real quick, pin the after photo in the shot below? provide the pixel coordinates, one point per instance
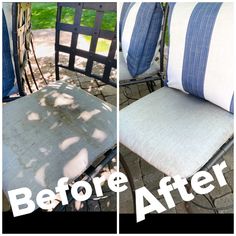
(176, 119)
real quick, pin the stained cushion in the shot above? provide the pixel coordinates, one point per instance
(200, 58)
(175, 132)
(124, 73)
(140, 30)
(58, 131)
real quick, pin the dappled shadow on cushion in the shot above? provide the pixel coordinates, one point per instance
(58, 131)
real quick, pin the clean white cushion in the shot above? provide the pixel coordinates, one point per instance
(200, 58)
(124, 73)
(175, 132)
(58, 131)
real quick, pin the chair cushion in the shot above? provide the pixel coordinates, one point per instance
(122, 9)
(58, 131)
(140, 31)
(201, 51)
(8, 66)
(175, 132)
(125, 75)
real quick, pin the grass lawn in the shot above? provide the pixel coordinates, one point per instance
(44, 17)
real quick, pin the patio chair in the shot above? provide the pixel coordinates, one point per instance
(139, 43)
(187, 125)
(60, 130)
(17, 46)
(94, 33)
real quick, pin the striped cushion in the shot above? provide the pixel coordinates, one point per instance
(140, 26)
(8, 68)
(123, 7)
(201, 51)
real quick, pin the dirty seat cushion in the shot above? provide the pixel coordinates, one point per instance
(55, 132)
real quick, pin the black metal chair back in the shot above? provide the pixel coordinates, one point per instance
(94, 32)
(21, 27)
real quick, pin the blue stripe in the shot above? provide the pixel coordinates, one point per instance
(232, 104)
(198, 39)
(171, 8)
(144, 37)
(7, 65)
(151, 40)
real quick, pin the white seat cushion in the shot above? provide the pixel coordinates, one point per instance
(175, 132)
(125, 75)
(58, 131)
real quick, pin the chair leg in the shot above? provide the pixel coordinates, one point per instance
(212, 208)
(187, 204)
(130, 179)
(57, 72)
(90, 173)
(162, 83)
(150, 85)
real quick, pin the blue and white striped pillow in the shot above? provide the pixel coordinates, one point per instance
(140, 27)
(123, 9)
(8, 67)
(200, 60)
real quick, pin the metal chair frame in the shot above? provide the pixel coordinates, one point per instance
(22, 45)
(21, 13)
(109, 62)
(95, 32)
